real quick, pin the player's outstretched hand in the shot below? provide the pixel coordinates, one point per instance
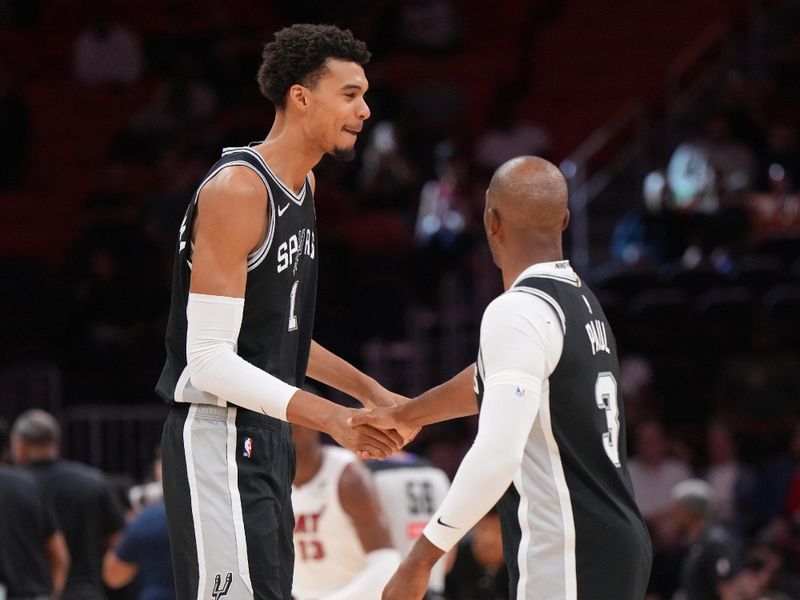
(365, 439)
(410, 582)
(386, 418)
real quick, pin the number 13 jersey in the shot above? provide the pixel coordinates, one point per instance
(327, 550)
(280, 296)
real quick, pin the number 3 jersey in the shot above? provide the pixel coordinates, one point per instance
(280, 295)
(571, 528)
(327, 550)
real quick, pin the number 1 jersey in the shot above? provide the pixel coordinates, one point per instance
(280, 296)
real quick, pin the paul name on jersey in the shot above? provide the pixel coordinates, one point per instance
(598, 338)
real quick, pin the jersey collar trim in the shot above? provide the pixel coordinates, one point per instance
(560, 270)
(297, 198)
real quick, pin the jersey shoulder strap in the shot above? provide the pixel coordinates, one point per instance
(545, 289)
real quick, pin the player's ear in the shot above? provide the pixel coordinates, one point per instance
(565, 221)
(298, 97)
(492, 220)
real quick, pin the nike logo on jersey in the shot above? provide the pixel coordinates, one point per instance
(443, 524)
(282, 210)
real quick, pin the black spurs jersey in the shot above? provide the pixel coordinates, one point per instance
(280, 296)
(571, 528)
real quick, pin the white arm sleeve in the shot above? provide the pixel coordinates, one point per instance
(370, 581)
(213, 324)
(521, 344)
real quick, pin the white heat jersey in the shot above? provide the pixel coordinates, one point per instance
(327, 551)
(410, 490)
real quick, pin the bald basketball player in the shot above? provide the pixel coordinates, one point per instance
(551, 437)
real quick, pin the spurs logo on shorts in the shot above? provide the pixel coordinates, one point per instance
(221, 589)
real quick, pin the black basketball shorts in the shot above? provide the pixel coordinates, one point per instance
(227, 491)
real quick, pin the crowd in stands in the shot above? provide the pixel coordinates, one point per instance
(703, 291)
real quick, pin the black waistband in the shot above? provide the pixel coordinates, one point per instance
(243, 416)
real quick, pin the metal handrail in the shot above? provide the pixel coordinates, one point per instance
(682, 87)
(692, 70)
(629, 123)
(115, 438)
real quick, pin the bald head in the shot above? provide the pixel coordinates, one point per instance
(35, 436)
(37, 427)
(530, 194)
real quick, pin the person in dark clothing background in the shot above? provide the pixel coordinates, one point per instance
(34, 560)
(479, 571)
(84, 501)
(712, 564)
(142, 556)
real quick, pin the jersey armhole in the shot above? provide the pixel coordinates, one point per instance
(256, 257)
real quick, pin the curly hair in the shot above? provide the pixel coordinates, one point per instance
(298, 54)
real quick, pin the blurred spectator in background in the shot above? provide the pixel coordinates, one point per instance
(716, 163)
(182, 106)
(783, 151)
(429, 25)
(507, 136)
(15, 131)
(732, 161)
(636, 385)
(34, 560)
(732, 483)
(707, 179)
(713, 563)
(775, 211)
(343, 545)
(776, 478)
(479, 571)
(652, 232)
(653, 473)
(766, 572)
(85, 504)
(692, 179)
(388, 179)
(107, 52)
(444, 228)
(150, 492)
(444, 203)
(143, 554)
